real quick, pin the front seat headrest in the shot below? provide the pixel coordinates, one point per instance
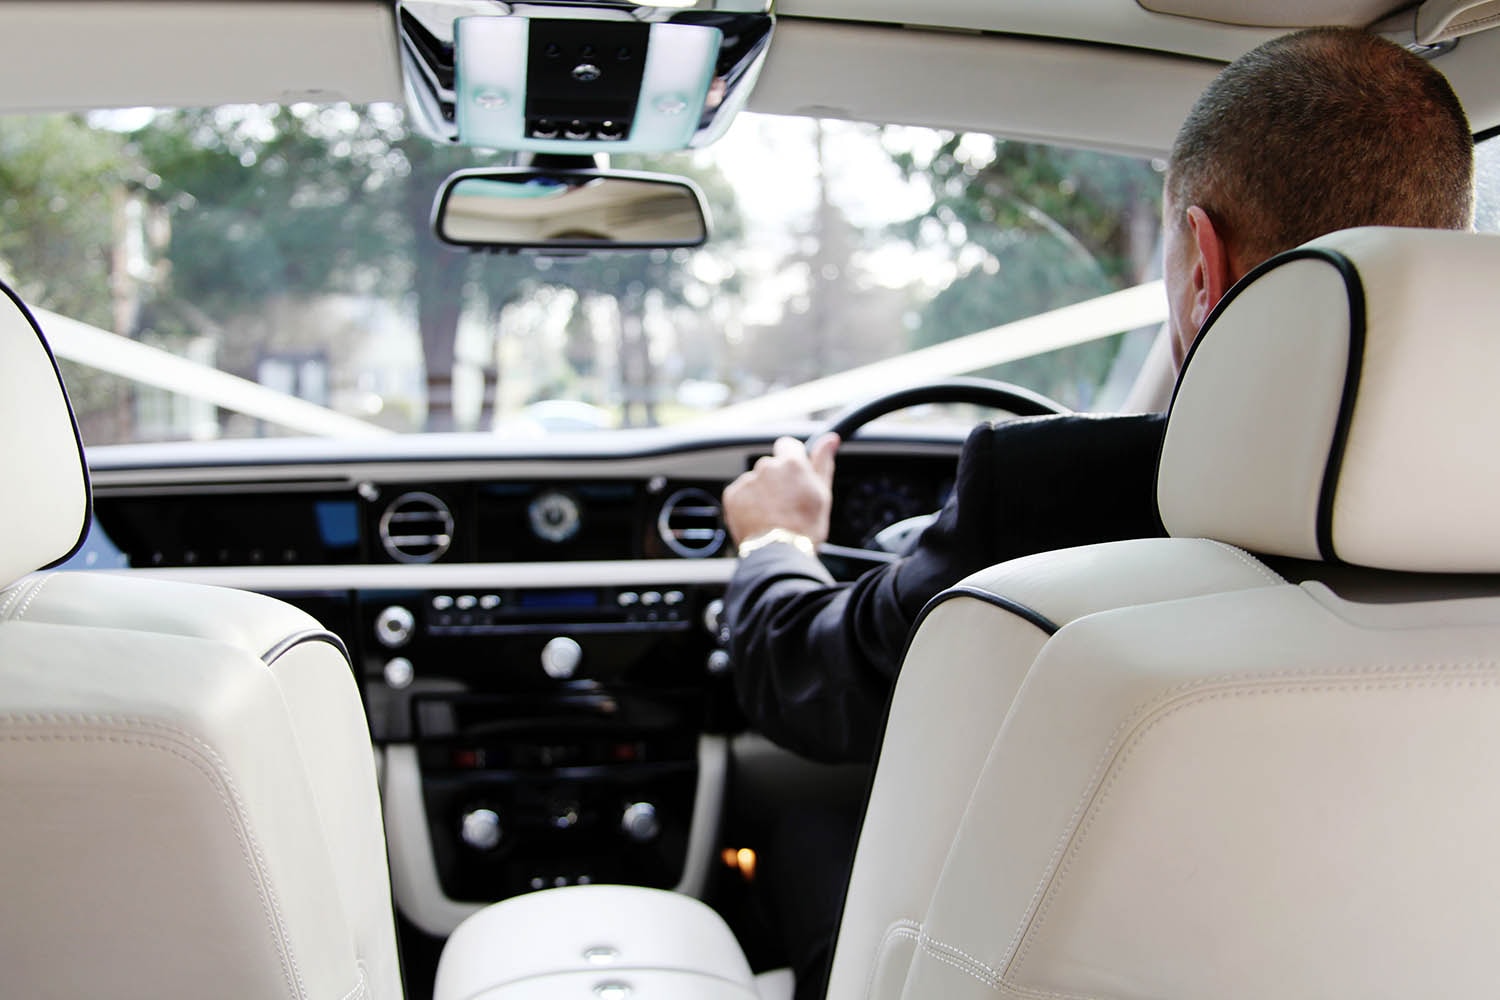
(44, 509)
(1340, 404)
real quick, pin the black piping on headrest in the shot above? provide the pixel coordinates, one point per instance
(1355, 290)
(88, 490)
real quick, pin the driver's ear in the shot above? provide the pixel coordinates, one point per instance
(1212, 273)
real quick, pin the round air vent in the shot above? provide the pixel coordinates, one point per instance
(691, 524)
(416, 528)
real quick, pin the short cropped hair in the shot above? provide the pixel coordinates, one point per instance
(1322, 130)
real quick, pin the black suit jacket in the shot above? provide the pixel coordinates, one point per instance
(815, 661)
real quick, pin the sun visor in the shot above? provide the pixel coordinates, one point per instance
(1439, 21)
(1433, 24)
(1278, 13)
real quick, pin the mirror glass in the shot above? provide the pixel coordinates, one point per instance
(537, 210)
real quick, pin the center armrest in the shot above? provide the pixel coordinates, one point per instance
(614, 934)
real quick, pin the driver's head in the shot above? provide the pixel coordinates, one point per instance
(1310, 133)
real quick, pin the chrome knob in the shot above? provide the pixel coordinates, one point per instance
(719, 662)
(561, 657)
(713, 617)
(481, 829)
(394, 627)
(399, 672)
(640, 822)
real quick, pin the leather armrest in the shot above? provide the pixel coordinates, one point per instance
(608, 933)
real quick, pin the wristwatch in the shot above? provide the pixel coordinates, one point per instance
(771, 536)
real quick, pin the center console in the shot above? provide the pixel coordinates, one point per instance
(558, 732)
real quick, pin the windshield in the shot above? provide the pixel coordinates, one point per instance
(262, 271)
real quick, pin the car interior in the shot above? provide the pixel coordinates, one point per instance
(298, 701)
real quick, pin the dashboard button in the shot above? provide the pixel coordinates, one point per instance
(640, 822)
(673, 597)
(650, 598)
(394, 626)
(480, 829)
(713, 616)
(489, 602)
(465, 602)
(561, 657)
(442, 602)
(399, 672)
(627, 598)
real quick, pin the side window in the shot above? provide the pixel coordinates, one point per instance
(1487, 186)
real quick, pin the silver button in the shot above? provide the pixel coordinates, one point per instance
(713, 616)
(394, 626)
(640, 822)
(466, 602)
(481, 829)
(561, 657)
(442, 602)
(399, 672)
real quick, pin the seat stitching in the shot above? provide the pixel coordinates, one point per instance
(26, 604)
(1250, 561)
(1060, 847)
(1141, 711)
(359, 991)
(949, 955)
(1165, 708)
(901, 928)
(10, 594)
(1471, 25)
(1094, 776)
(167, 739)
(13, 595)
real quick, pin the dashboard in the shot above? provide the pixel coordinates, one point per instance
(536, 632)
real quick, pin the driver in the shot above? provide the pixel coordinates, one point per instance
(1310, 133)
(1317, 131)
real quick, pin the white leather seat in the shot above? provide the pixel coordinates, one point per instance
(1167, 768)
(188, 803)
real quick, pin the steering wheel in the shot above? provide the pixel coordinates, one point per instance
(895, 539)
(975, 391)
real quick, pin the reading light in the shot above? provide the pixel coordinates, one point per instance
(490, 80)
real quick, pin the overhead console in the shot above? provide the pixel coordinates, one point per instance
(580, 78)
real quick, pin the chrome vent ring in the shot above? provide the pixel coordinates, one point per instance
(416, 528)
(691, 523)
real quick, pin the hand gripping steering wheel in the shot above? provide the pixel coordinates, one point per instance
(895, 539)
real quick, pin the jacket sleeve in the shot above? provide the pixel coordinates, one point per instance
(815, 660)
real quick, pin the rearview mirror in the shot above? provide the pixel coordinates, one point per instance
(528, 209)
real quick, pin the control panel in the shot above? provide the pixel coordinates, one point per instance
(556, 728)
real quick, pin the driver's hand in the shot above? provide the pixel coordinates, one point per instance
(791, 488)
